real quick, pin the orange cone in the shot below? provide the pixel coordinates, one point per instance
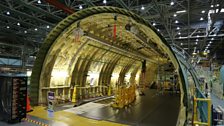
(28, 106)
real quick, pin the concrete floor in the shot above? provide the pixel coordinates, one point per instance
(151, 109)
(148, 110)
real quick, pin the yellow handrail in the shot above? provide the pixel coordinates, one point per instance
(195, 120)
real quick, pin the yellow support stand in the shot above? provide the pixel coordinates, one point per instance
(109, 91)
(74, 95)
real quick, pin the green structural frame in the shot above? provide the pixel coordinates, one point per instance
(55, 32)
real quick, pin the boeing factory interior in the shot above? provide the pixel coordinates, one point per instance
(111, 62)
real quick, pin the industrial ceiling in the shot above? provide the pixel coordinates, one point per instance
(194, 25)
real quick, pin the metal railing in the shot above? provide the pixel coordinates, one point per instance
(202, 105)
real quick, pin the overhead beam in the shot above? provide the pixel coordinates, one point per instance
(89, 2)
(121, 2)
(19, 13)
(39, 10)
(104, 42)
(60, 6)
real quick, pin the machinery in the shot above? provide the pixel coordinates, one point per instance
(13, 95)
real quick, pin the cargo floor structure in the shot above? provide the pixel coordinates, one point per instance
(152, 109)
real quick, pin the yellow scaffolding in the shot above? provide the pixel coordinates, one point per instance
(195, 115)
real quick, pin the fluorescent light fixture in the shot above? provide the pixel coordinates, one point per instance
(171, 3)
(203, 11)
(25, 31)
(182, 11)
(18, 24)
(104, 1)
(176, 21)
(8, 13)
(80, 7)
(48, 26)
(194, 53)
(185, 48)
(7, 27)
(153, 23)
(174, 15)
(35, 29)
(39, 2)
(143, 8)
(217, 10)
(178, 28)
(201, 19)
(222, 10)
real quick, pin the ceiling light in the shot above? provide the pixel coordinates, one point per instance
(143, 8)
(212, 5)
(178, 28)
(212, 39)
(179, 33)
(171, 3)
(222, 10)
(210, 42)
(80, 7)
(154, 24)
(196, 43)
(197, 35)
(181, 43)
(201, 19)
(39, 2)
(208, 45)
(48, 26)
(217, 5)
(158, 30)
(8, 13)
(180, 37)
(208, 51)
(182, 11)
(194, 53)
(104, 1)
(7, 27)
(197, 40)
(174, 15)
(35, 29)
(217, 10)
(25, 31)
(214, 34)
(18, 24)
(176, 21)
(203, 11)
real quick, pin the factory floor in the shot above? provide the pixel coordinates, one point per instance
(152, 109)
